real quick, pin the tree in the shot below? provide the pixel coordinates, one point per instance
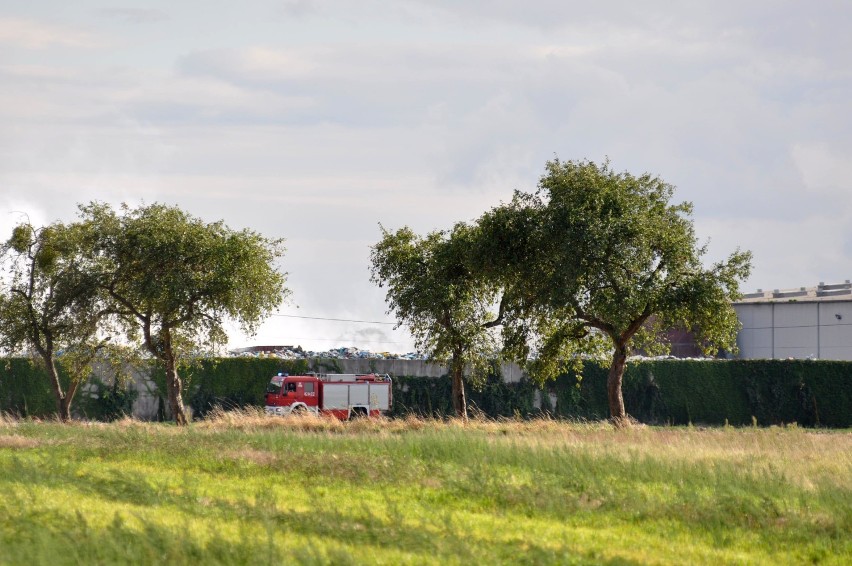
(597, 260)
(432, 292)
(51, 304)
(177, 279)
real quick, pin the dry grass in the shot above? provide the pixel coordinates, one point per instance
(259, 457)
(255, 419)
(803, 454)
(9, 441)
(430, 490)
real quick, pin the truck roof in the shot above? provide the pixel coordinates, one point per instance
(332, 377)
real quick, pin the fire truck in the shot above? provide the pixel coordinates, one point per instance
(342, 395)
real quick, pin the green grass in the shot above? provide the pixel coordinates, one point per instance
(244, 489)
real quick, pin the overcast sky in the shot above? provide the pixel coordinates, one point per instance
(317, 120)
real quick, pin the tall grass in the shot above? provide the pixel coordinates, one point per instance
(244, 488)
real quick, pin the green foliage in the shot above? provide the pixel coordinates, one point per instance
(22, 238)
(433, 293)
(234, 382)
(422, 396)
(810, 393)
(326, 365)
(179, 273)
(597, 260)
(52, 304)
(24, 389)
(496, 398)
(430, 397)
(107, 402)
(678, 392)
(177, 279)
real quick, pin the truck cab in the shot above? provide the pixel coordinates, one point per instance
(286, 394)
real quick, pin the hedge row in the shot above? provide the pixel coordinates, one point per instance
(739, 392)
(25, 392)
(24, 389)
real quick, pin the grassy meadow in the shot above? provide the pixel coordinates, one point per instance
(242, 488)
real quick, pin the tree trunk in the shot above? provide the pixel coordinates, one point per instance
(459, 400)
(613, 386)
(174, 385)
(65, 409)
(63, 401)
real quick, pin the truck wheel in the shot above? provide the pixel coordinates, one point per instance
(357, 413)
(300, 411)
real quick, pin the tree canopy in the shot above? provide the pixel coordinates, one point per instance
(51, 304)
(431, 291)
(598, 260)
(176, 279)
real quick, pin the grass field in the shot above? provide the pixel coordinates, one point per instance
(245, 489)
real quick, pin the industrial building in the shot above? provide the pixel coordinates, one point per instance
(804, 323)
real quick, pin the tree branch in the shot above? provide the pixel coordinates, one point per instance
(634, 326)
(501, 312)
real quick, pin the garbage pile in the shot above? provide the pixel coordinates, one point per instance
(342, 353)
(352, 352)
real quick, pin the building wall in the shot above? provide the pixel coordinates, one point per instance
(807, 329)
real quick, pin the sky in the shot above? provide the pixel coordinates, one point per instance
(318, 121)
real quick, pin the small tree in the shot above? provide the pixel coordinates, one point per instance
(176, 279)
(432, 292)
(51, 304)
(597, 260)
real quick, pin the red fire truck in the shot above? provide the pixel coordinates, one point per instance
(343, 395)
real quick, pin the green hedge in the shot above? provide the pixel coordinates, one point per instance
(25, 392)
(738, 392)
(810, 393)
(232, 382)
(24, 389)
(239, 382)
(430, 396)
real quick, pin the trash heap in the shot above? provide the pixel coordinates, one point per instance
(342, 353)
(352, 352)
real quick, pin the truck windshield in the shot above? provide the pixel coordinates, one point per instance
(274, 386)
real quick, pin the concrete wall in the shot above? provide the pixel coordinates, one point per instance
(511, 372)
(809, 329)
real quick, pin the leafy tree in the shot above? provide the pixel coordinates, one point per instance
(432, 292)
(176, 279)
(51, 304)
(598, 262)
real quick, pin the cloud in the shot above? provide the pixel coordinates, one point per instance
(316, 120)
(825, 169)
(710, 99)
(136, 15)
(787, 253)
(299, 8)
(31, 34)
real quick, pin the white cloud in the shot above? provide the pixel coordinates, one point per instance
(825, 170)
(136, 15)
(787, 254)
(31, 34)
(316, 120)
